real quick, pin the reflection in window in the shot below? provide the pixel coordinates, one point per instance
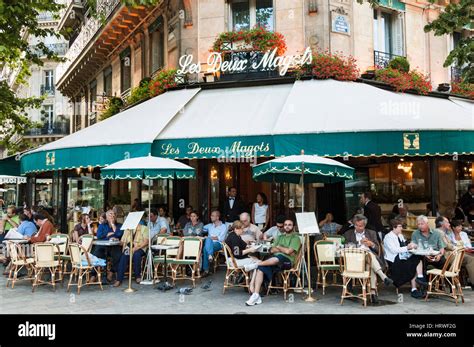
(85, 195)
(248, 14)
(43, 192)
(264, 14)
(240, 15)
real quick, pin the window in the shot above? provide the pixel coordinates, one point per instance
(48, 86)
(93, 96)
(157, 39)
(246, 14)
(108, 81)
(48, 116)
(125, 70)
(92, 102)
(388, 32)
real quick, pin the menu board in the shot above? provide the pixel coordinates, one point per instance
(307, 223)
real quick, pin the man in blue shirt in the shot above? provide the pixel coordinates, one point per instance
(213, 242)
(109, 231)
(26, 227)
(157, 225)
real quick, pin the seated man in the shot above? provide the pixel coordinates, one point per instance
(157, 225)
(251, 232)
(46, 228)
(424, 235)
(328, 226)
(276, 230)
(217, 232)
(444, 227)
(367, 239)
(109, 231)
(9, 221)
(26, 227)
(239, 247)
(140, 245)
(284, 248)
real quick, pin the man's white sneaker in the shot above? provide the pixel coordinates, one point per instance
(255, 299)
(250, 267)
(210, 257)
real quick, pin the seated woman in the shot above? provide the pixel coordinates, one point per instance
(458, 237)
(239, 247)
(194, 227)
(82, 228)
(328, 226)
(404, 267)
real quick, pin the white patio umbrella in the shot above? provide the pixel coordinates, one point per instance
(305, 169)
(150, 168)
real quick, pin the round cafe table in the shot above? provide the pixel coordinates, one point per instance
(164, 285)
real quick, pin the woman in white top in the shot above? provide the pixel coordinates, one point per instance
(260, 212)
(459, 237)
(404, 267)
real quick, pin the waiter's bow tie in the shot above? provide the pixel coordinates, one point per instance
(231, 198)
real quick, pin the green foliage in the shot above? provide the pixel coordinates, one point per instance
(456, 17)
(164, 80)
(18, 22)
(139, 93)
(114, 105)
(399, 63)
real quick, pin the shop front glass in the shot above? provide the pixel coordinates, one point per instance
(403, 181)
(85, 195)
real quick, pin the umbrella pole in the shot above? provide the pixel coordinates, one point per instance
(307, 266)
(147, 277)
(130, 255)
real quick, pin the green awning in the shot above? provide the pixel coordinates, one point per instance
(394, 4)
(10, 166)
(215, 147)
(79, 157)
(128, 134)
(377, 143)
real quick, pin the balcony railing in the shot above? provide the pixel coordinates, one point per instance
(46, 17)
(455, 74)
(56, 128)
(104, 9)
(49, 90)
(58, 48)
(381, 59)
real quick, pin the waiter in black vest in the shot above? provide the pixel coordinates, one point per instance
(233, 206)
(372, 212)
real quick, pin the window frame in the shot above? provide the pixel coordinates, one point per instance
(126, 53)
(252, 14)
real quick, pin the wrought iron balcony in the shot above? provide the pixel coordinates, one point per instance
(49, 90)
(88, 32)
(56, 128)
(59, 48)
(46, 17)
(381, 59)
(455, 74)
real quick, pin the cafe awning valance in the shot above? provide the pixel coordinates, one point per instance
(224, 122)
(10, 166)
(333, 118)
(126, 135)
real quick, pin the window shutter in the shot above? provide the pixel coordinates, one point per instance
(397, 32)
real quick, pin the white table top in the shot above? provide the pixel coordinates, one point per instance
(423, 252)
(15, 241)
(106, 243)
(164, 247)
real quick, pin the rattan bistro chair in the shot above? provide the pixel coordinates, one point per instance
(285, 276)
(190, 258)
(44, 261)
(325, 254)
(86, 242)
(79, 270)
(356, 264)
(171, 254)
(448, 276)
(233, 270)
(18, 261)
(62, 254)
